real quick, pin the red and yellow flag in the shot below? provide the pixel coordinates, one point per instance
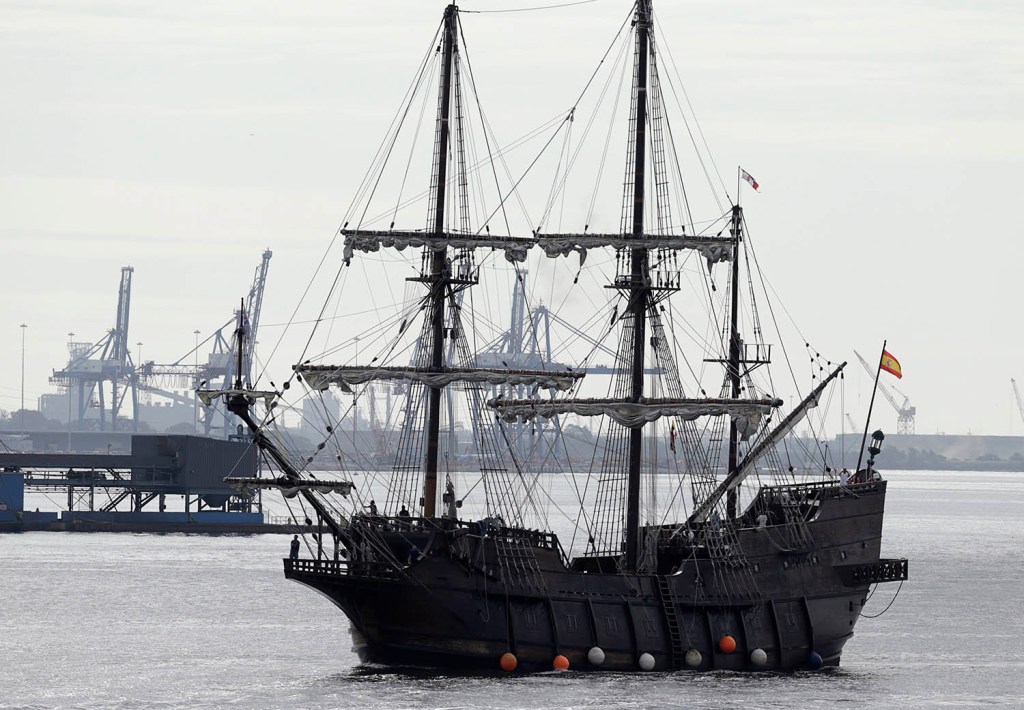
(891, 364)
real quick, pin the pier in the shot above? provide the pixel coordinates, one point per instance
(166, 483)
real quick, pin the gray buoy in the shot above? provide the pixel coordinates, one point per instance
(646, 662)
(595, 656)
(693, 658)
(758, 657)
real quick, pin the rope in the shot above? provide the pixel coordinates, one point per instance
(529, 9)
(869, 616)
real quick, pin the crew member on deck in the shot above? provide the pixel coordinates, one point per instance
(295, 548)
(403, 518)
(450, 504)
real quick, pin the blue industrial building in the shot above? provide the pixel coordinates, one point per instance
(130, 491)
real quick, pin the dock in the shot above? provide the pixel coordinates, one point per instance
(129, 492)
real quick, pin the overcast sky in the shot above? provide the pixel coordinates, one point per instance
(184, 138)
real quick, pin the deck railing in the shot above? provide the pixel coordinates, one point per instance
(891, 570)
(344, 568)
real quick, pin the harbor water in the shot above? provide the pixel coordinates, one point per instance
(117, 620)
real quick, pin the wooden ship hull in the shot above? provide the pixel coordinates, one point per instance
(465, 602)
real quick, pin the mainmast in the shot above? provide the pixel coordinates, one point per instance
(639, 290)
(438, 279)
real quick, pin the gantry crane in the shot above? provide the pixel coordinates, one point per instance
(221, 363)
(218, 368)
(853, 424)
(1016, 394)
(251, 320)
(91, 366)
(527, 343)
(905, 412)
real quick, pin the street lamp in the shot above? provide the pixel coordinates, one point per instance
(23, 327)
(71, 340)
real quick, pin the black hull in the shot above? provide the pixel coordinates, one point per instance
(459, 612)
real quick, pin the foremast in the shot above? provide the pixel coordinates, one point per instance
(442, 356)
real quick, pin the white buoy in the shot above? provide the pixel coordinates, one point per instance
(758, 657)
(693, 658)
(646, 662)
(595, 656)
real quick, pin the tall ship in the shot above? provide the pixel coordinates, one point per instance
(682, 539)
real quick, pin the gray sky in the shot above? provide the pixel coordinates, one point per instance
(184, 138)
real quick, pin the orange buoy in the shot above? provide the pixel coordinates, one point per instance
(561, 663)
(727, 644)
(508, 662)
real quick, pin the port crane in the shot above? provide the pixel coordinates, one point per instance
(218, 369)
(853, 424)
(1016, 394)
(93, 366)
(905, 412)
(527, 345)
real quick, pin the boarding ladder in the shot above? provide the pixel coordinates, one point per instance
(668, 606)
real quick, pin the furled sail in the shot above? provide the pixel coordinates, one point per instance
(207, 397)
(366, 240)
(634, 414)
(290, 486)
(320, 376)
(714, 249)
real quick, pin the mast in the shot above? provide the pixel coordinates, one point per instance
(638, 288)
(733, 363)
(238, 401)
(240, 342)
(438, 280)
(737, 474)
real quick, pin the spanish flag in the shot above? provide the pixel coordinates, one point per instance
(890, 364)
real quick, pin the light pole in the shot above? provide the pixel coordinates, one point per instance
(71, 340)
(195, 405)
(23, 327)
